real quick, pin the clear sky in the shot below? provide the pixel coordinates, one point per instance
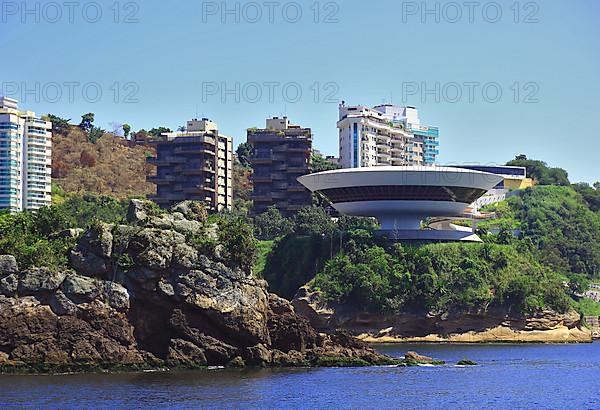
(171, 60)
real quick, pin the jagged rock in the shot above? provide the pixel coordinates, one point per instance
(293, 358)
(39, 280)
(81, 287)
(8, 265)
(172, 305)
(137, 212)
(237, 363)
(61, 305)
(9, 285)
(240, 305)
(414, 356)
(191, 210)
(153, 248)
(73, 233)
(258, 355)
(88, 264)
(182, 352)
(116, 296)
(33, 334)
(92, 254)
(167, 288)
(184, 256)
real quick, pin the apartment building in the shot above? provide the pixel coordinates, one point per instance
(385, 135)
(25, 159)
(196, 164)
(281, 154)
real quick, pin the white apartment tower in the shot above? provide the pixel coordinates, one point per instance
(25, 159)
(384, 135)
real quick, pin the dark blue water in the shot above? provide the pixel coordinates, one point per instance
(508, 377)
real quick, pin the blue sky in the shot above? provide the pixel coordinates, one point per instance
(171, 60)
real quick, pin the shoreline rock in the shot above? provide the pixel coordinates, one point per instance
(494, 326)
(143, 297)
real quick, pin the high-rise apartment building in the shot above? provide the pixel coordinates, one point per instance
(25, 159)
(385, 135)
(281, 154)
(196, 164)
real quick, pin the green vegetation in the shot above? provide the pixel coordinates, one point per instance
(263, 249)
(588, 307)
(244, 152)
(540, 172)
(557, 220)
(319, 163)
(439, 278)
(28, 237)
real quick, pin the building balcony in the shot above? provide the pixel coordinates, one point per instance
(262, 197)
(193, 151)
(199, 189)
(262, 178)
(164, 180)
(166, 161)
(198, 171)
(262, 159)
(298, 169)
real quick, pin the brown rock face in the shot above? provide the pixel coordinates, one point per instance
(169, 306)
(479, 327)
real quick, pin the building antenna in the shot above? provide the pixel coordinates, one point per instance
(196, 111)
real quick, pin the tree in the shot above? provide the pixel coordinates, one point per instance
(95, 134)
(244, 152)
(59, 125)
(320, 164)
(313, 220)
(157, 132)
(271, 224)
(181, 128)
(589, 194)
(540, 172)
(126, 130)
(87, 122)
(238, 241)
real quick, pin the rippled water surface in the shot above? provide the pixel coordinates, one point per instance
(509, 376)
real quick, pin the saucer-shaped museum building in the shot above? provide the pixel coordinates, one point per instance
(400, 197)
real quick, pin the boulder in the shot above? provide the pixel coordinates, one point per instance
(153, 248)
(92, 254)
(9, 284)
(8, 265)
(89, 264)
(116, 295)
(191, 210)
(37, 280)
(61, 305)
(258, 355)
(81, 287)
(414, 356)
(184, 353)
(137, 212)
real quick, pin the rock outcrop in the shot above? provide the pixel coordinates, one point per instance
(495, 325)
(142, 295)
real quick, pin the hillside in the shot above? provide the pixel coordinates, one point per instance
(110, 166)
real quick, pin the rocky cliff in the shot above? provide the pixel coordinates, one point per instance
(144, 295)
(472, 327)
